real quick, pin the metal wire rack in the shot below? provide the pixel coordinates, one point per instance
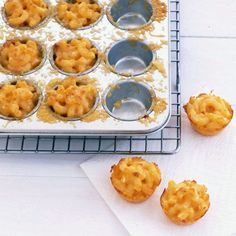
(167, 141)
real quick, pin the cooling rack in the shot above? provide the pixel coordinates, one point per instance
(167, 141)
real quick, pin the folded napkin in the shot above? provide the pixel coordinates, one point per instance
(208, 160)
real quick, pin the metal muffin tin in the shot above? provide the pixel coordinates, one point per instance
(129, 57)
(125, 77)
(129, 100)
(130, 15)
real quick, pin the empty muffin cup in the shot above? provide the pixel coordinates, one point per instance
(23, 99)
(62, 104)
(87, 26)
(52, 58)
(129, 57)
(42, 52)
(128, 100)
(40, 24)
(130, 15)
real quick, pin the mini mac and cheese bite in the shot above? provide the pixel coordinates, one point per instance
(18, 99)
(75, 56)
(78, 14)
(72, 98)
(19, 56)
(135, 179)
(185, 202)
(26, 13)
(208, 113)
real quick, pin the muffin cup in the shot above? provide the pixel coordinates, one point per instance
(41, 24)
(79, 28)
(40, 98)
(62, 118)
(43, 51)
(53, 64)
(129, 57)
(128, 100)
(130, 15)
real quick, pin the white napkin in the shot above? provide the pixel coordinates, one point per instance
(208, 160)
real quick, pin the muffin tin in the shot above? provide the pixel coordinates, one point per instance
(132, 46)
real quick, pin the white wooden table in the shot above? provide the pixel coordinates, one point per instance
(50, 195)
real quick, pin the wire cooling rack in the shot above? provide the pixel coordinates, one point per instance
(167, 141)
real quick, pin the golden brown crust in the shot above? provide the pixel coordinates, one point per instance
(208, 114)
(135, 179)
(20, 55)
(186, 202)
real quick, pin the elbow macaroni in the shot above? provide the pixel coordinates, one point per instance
(72, 99)
(20, 55)
(78, 14)
(18, 99)
(135, 179)
(208, 114)
(75, 56)
(26, 13)
(186, 202)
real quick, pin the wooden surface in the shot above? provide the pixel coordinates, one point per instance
(50, 195)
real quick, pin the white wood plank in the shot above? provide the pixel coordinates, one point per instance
(208, 64)
(208, 18)
(42, 165)
(36, 206)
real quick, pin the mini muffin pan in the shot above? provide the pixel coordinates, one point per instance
(131, 72)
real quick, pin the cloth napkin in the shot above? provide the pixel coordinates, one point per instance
(208, 160)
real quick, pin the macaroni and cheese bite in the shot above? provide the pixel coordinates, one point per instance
(78, 13)
(21, 56)
(72, 98)
(26, 13)
(135, 179)
(208, 113)
(18, 99)
(76, 56)
(185, 202)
